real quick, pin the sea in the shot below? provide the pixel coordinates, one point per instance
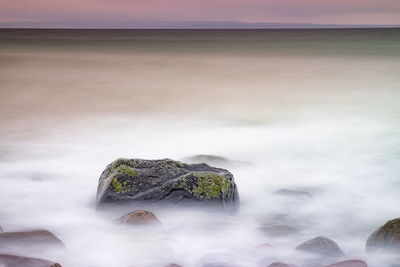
(311, 110)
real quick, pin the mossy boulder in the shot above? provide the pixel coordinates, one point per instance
(165, 180)
(387, 237)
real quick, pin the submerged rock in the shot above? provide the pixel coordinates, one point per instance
(293, 193)
(31, 240)
(387, 237)
(279, 225)
(279, 264)
(321, 246)
(275, 229)
(139, 217)
(18, 261)
(130, 180)
(208, 159)
(349, 263)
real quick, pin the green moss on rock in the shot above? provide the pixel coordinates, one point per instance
(119, 187)
(210, 185)
(166, 180)
(388, 236)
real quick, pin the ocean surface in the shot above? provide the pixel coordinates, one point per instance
(311, 110)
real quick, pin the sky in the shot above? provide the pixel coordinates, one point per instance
(281, 11)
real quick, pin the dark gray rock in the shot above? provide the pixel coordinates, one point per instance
(156, 181)
(321, 246)
(18, 261)
(29, 240)
(387, 237)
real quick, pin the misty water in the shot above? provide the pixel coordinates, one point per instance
(310, 110)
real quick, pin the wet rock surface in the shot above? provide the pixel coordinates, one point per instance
(166, 181)
(7, 260)
(30, 240)
(387, 237)
(138, 217)
(321, 246)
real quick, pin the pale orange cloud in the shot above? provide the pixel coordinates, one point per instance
(316, 11)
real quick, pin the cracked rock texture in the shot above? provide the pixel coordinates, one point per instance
(166, 180)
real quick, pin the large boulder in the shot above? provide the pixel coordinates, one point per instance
(387, 237)
(18, 261)
(29, 240)
(321, 246)
(138, 180)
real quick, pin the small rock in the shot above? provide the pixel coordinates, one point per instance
(293, 193)
(321, 246)
(18, 261)
(387, 237)
(173, 265)
(349, 263)
(276, 229)
(36, 240)
(208, 159)
(278, 264)
(139, 217)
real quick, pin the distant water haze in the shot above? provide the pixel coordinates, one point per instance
(311, 110)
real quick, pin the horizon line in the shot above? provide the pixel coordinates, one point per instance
(177, 25)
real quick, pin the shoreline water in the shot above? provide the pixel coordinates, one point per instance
(306, 115)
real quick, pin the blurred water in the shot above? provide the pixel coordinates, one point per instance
(314, 110)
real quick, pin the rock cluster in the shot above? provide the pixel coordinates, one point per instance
(36, 240)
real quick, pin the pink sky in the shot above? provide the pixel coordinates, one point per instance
(313, 11)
